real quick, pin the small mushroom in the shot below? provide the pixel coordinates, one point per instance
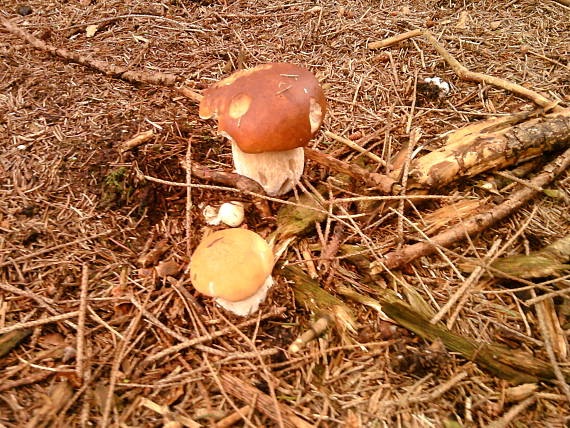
(233, 266)
(232, 213)
(269, 113)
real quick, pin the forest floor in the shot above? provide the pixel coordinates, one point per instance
(92, 334)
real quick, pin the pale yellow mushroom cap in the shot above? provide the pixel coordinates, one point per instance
(231, 264)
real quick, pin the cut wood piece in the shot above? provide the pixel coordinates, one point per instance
(453, 213)
(491, 144)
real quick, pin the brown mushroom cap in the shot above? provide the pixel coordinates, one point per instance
(231, 264)
(271, 107)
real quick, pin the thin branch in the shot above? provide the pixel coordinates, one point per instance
(381, 182)
(479, 222)
(546, 336)
(36, 323)
(123, 73)
(79, 359)
(394, 39)
(466, 74)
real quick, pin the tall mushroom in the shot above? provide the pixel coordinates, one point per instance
(234, 266)
(269, 113)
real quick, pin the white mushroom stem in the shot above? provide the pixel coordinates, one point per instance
(277, 172)
(249, 305)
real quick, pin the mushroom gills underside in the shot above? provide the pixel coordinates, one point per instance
(247, 306)
(277, 172)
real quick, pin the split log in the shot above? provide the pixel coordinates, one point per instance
(490, 144)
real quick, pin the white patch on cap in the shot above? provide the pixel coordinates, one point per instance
(315, 115)
(239, 106)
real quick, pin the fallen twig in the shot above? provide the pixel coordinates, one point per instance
(467, 284)
(507, 418)
(30, 324)
(394, 39)
(316, 329)
(54, 248)
(209, 337)
(545, 331)
(28, 380)
(137, 140)
(168, 414)
(236, 180)
(124, 73)
(479, 222)
(189, 93)
(465, 74)
(356, 147)
(233, 418)
(381, 182)
(11, 340)
(80, 358)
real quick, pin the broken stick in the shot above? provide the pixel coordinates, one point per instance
(464, 73)
(394, 39)
(236, 180)
(124, 73)
(381, 182)
(478, 223)
(137, 140)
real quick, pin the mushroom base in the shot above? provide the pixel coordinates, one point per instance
(277, 172)
(247, 306)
